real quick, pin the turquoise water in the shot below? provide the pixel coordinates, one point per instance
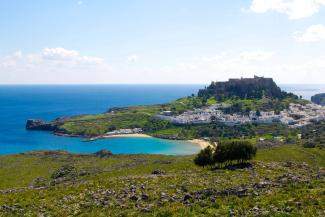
(18, 103)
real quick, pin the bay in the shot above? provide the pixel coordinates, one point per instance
(21, 102)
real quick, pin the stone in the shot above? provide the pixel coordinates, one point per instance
(103, 153)
(158, 172)
(38, 183)
(187, 197)
(144, 197)
(65, 173)
(288, 209)
(134, 197)
(163, 194)
(84, 173)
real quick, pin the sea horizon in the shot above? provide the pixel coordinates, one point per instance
(90, 84)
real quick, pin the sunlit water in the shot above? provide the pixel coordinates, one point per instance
(19, 103)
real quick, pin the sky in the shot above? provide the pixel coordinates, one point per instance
(161, 41)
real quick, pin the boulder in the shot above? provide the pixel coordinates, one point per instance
(187, 197)
(103, 153)
(144, 197)
(66, 171)
(39, 182)
(158, 172)
(134, 197)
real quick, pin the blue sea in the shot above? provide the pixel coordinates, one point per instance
(21, 102)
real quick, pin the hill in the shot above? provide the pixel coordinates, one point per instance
(234, 102)
(244, 88)
(319, 99)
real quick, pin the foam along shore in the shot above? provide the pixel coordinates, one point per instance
(107, 136)
(141, 135)
(202, 143)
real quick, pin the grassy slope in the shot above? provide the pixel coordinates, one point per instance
(87, 195)
(99, 124)
(130, 117)
(140, 116)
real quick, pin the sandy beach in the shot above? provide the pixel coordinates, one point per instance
(127, 135)
(202, 143)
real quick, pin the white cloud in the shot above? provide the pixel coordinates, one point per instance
(61, 54)
(132, 58)
(295, 9)
(52, 65)
(11, 60)
(233, 65)
(80, 2)
(313, 33)
(256, 55)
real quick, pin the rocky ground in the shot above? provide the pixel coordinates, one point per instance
(282, 181)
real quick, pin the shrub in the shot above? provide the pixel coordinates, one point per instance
(239, 151)
(204, 157)
(226, 152)
(309, 144)
(112, 128)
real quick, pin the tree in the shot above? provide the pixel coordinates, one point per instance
(226, 153)
(309, 144)
(112, 128)
(238, 151)
(205, 157)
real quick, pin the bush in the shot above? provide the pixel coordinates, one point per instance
(112, 128)
(205, 157)
(239, 151)
(309, 144)
(226, 153)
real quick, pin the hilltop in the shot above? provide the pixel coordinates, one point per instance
(244, 88)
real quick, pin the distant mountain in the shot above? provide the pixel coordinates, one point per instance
(319, 99)
(244, 88)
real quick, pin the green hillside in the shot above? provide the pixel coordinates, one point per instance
(283, 181)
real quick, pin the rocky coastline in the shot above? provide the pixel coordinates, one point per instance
(38, 124)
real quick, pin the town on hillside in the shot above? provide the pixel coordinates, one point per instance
(296, 115)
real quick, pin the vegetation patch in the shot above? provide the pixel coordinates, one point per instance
(281, 181)
(226, 153)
